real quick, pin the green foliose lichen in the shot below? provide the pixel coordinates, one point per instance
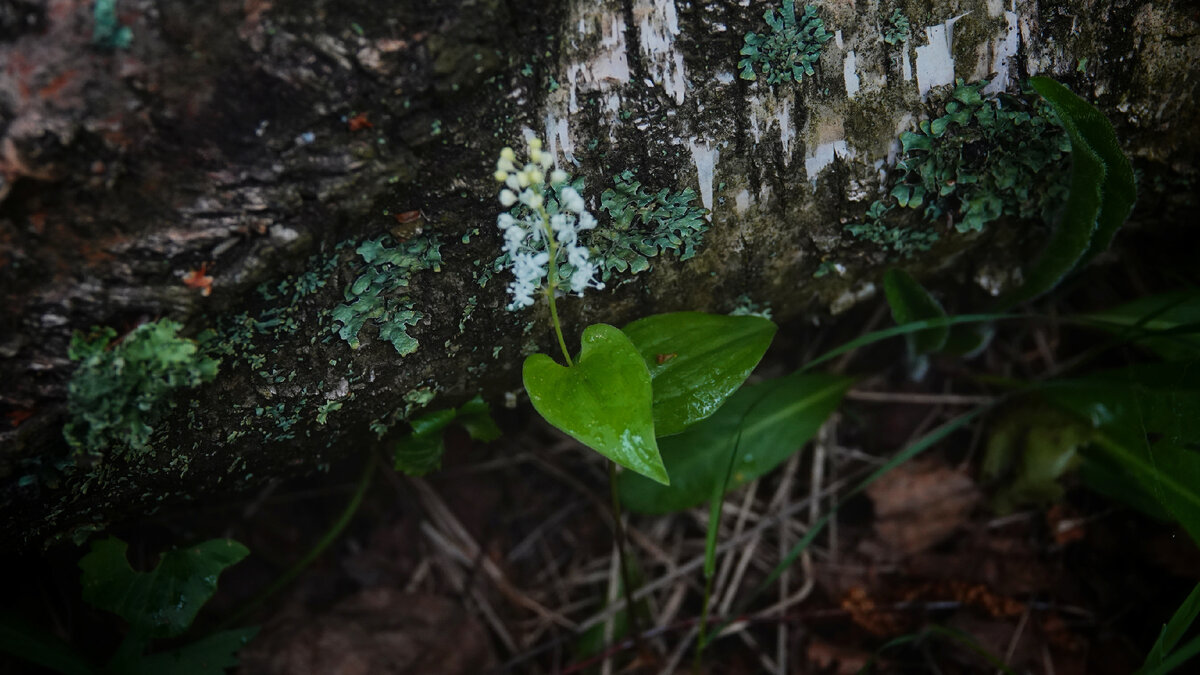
(378, 294)
(984, 158)
(107, 31)
(121, 390)
(897, 28)
(645, 225)
(789, 52)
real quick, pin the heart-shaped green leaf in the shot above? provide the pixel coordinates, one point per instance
(764, 423)
(696, 361)
(603, 401)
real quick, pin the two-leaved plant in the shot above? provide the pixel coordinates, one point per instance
(625, 388)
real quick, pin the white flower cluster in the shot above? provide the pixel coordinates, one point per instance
(534, 236)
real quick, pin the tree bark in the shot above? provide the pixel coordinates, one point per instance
(246, 140)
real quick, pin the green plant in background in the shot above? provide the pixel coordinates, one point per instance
(789, 52)
(897, 28)
(421, 451)
(157, 605)
(121, 389)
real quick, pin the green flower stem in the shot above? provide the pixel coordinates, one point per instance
(552, 284)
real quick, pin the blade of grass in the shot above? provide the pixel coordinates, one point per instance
(1173, 630)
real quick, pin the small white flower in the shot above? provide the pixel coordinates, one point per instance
(586, 221)
(558, 177)
(512, 182)
(571, 200)
(508, 197)
(508, 155)
(500, 175)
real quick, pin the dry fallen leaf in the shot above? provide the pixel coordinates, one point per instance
(919, 504)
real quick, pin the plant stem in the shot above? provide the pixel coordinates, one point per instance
(330, 536)
(552, 283)
(619, 535)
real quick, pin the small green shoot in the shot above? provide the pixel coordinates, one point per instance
(421, 451)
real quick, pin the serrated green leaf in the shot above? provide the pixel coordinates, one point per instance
(911, 302)
(696, 361)
(604, 401)
(162, 602)
(775, 418)
(212, 655)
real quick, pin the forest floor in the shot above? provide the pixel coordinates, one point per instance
(503, 561)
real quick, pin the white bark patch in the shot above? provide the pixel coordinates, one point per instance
(741, 203)
(935, 61)
(558, 135)
(658, 26)
(824, 155)
(786, 132)
(906, 64)
(850, 74)
(705, 156)
(1004, 50)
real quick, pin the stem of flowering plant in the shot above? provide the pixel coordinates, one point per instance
(552, 285)
(619, 535)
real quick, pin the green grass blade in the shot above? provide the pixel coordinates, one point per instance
(1173, 631)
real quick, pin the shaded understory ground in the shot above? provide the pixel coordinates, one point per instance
(503, 561)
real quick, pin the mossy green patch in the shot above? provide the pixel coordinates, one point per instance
(120, 390)
(789, 52)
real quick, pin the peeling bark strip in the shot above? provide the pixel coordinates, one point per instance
(232, 167)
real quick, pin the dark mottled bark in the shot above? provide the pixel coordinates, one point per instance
(253, 137)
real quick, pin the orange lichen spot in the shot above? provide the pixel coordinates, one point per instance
(16, 417)
(198, 278)
(360, 122)
(663, 358)
(407, 216)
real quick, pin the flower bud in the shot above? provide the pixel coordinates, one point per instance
(558, 176)
(500, 176)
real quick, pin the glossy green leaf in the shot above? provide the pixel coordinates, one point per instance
(1164, 312)
(911, 302)
(604, 401)
(696, 361)
(421, 451)
(1101, 196)
(775, 418)
(213, 655)
(164, 601)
